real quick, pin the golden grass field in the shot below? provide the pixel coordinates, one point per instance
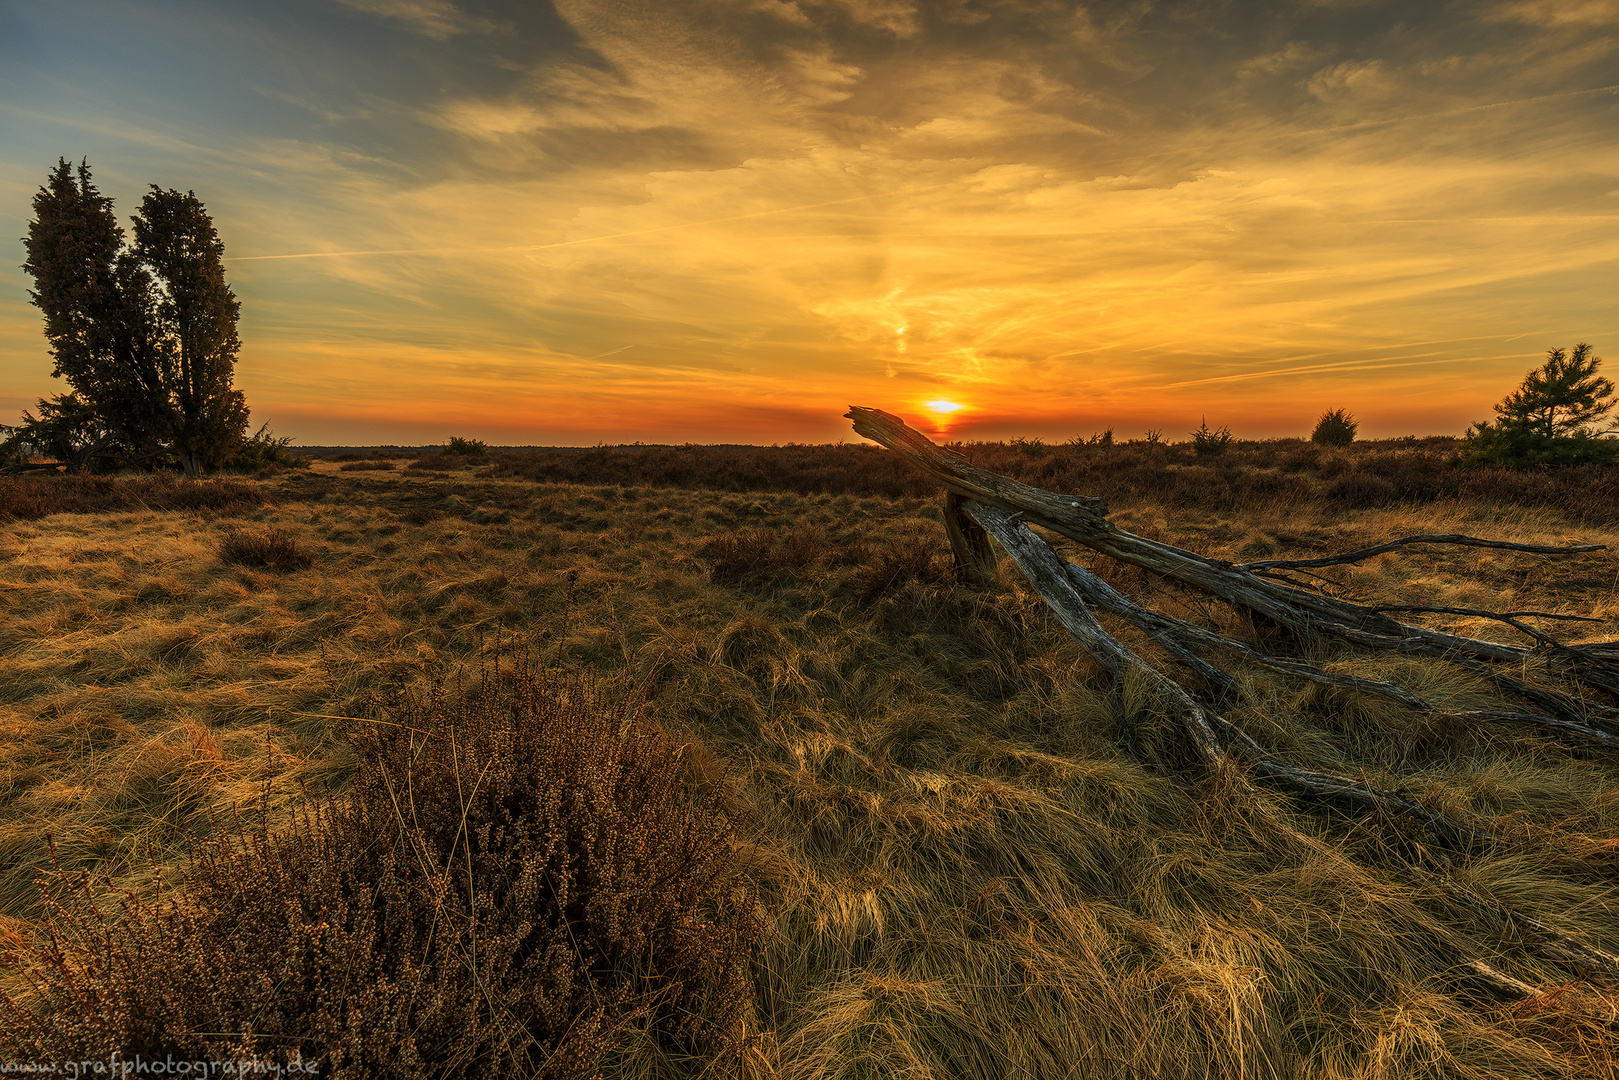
(964, 874)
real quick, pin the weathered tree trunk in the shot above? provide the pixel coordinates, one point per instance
(979, 502)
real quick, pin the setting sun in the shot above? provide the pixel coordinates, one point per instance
(578, 222)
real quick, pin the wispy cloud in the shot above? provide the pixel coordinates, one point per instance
(438, 19)
(788, 206)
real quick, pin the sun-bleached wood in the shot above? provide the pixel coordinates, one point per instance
(980, 504)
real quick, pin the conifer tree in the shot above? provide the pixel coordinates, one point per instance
(1562, 396)
(145, 336)
(195, 323)
(1549, 419)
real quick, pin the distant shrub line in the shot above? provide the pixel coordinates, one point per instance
(1243, 474)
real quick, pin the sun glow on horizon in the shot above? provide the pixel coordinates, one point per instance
(942, 406)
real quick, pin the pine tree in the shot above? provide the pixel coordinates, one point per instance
(1562, 396)
(1549, 419)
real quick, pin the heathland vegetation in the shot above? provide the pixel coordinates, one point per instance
(690, 761)
(773, 788)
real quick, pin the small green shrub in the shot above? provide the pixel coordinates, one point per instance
(264, 452)
(459, 447)
(1206, 441)
(272, 549)
(1033, 448)
(1550, 419)
(1335, 428)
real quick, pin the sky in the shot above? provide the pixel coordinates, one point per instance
(710, 221)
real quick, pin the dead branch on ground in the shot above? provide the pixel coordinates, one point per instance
(979, 504)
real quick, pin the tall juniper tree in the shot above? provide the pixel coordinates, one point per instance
(145, 335)
(195, 319)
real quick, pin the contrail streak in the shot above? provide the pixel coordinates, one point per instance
(1347, 365)
(588, 239)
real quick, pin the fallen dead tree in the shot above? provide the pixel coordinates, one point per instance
(980, 504)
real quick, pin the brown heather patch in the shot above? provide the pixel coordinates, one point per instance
(516, 877)
(963, 872)
(1247, 476)
(28, 498)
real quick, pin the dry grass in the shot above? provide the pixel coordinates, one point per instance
(272, 549)
(964, 872)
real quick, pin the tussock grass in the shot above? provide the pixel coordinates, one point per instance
(272, 549)
(961, 868)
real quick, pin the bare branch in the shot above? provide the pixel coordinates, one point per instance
(1456, 539)
(1305, 612)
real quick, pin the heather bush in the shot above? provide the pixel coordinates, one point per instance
(517, 874)
(368, 465)
(441, 464)
(1361, 491)
(1300, 459)
(31, 497)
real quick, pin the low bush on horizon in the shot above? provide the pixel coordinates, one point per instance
(459, 447)
(1335, 428)
(1206, 442)
(264, 452)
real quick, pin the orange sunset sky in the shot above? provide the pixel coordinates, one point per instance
(728, 220)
